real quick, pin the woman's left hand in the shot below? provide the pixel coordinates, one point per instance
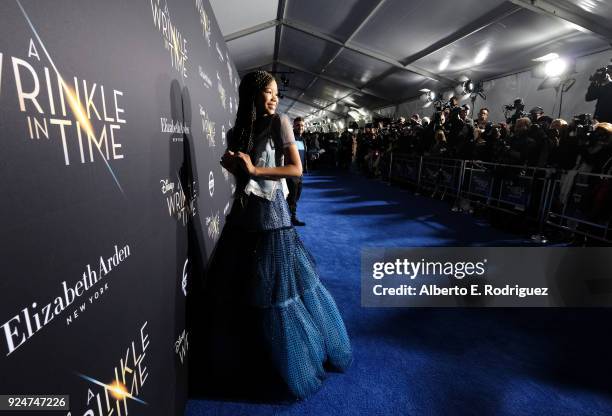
(245, 163)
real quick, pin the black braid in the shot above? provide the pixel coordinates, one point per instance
(250, 86)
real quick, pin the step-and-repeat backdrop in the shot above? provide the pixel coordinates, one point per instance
(112, 123)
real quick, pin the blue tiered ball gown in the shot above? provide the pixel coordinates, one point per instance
(261, 263)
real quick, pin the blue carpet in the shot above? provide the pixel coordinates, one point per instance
(434, 361)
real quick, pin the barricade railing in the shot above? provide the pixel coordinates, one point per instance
(581, 203)
(406, 169)
(441, 176)
(509, 188)
(578, 202)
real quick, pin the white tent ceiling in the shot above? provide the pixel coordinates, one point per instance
(342, 55)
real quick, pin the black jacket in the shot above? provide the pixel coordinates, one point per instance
(603, 95)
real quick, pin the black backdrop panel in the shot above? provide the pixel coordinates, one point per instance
(113, 122)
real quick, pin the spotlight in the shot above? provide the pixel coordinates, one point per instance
(468, 87)
(556, 67)
(428, 96)
(547, 57)
(444, 64)
(481, 56)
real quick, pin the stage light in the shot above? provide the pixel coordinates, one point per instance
(556, 67)
(481, 56)
(467, 87)
(444, 64)
(428, 96)
(547, 57)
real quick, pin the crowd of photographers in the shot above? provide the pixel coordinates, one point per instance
(532, 139)
(529, 138)
(535, 139)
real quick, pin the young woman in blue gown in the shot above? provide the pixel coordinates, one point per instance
(260, 272)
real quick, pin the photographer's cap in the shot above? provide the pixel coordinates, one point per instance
(537, 110)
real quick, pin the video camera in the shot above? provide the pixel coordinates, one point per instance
(441, 105)
(602, 75)
(518, 106)
(583, 126)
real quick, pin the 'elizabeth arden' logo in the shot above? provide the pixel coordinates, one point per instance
(172, 126)
(94, 283)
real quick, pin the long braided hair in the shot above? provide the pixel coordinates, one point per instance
(250, 87)
(243, 134)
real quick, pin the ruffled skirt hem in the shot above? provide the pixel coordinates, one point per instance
(271, 272)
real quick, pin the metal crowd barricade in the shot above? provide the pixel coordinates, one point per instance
(405, 169)
(581, 203)
(510, 188)
(477, 182)
(574, 201)
(441, 175)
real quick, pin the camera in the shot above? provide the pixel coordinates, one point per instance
(442, 105)
(518, 106)
(583, 126)
(602, 75)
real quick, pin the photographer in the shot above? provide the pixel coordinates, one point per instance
(483, 119)
(523, 147)
(370, 149)
(566, 150)
(596, 156)
(411, 140)
(535, 114)
(480, 124)
(601, 90)
(539, 132)
(496, 148)
(518, 106)
(429, 134)
(345, 151)
(460, 134)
